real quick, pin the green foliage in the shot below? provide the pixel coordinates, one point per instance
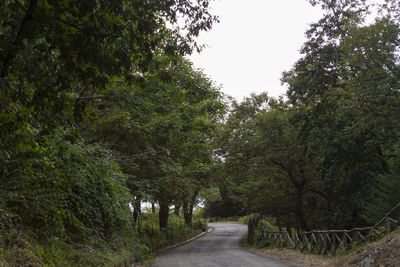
(97, 100)
(225, 219)
(74, 191)
(350, 121)
(228, 205)
(327, 158)
(100, 111)
(156, 238)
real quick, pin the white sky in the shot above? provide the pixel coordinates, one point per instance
(255, 41)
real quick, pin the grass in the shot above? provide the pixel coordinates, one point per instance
(19, 247)
(156, 239)
(389, 252)
(389, 255)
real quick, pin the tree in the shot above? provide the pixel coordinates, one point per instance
(160, 132)
(57, 57)
(63, 67)
(345, 85)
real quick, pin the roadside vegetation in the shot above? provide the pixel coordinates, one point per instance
(382, 252)
(156, 239)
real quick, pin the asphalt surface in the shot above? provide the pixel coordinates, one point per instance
(220, 247)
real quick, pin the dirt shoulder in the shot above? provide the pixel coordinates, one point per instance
(385, 252)
(295, 256)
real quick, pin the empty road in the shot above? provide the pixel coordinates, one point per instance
(218, 248)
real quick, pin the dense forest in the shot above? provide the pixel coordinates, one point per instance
(102, 111)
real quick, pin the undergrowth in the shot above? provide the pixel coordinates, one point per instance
(21, 246)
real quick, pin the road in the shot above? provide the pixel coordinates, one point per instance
(220, 247)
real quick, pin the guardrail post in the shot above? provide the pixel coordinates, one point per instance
(344, 241)
(334, 243)
(387, 224)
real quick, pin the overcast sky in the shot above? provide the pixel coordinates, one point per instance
(254, 43)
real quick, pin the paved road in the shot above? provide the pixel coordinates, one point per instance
(218, 248)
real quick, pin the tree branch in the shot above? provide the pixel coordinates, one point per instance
(288, 171)
(18, 39)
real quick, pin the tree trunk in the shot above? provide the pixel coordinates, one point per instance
(187, 213)
(153, 207)
(300, 209)
(289, 229)
(176, 209)
(188, 206)
(163, 215)
(18, 41)
(136, 209)
(79, 110)
(278, 222)
(251, 227)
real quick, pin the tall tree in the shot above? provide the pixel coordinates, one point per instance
(346, 83)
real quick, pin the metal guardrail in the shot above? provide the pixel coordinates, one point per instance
(329, 241)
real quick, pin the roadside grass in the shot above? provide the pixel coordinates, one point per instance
(157, 239)
(23, 250)
(21, 247)
(290, 255)
(388, 247)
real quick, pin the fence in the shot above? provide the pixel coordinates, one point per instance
(329, 241)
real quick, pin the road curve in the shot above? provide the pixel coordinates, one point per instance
(218, 248)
